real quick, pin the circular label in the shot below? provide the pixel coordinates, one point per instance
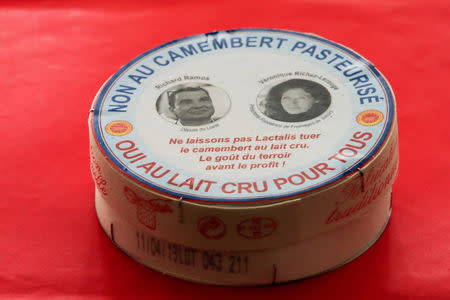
(256, 228)
(118, 128)
(211, 228)
(370, 117)
(243, 115)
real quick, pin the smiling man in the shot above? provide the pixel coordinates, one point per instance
(192, 106)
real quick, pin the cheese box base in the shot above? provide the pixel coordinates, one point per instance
(319, 254)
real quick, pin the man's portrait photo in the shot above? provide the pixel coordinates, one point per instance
(193, 104)
(294, 100)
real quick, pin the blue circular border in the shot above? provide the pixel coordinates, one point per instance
(100, 98)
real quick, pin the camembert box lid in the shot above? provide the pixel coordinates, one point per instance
(244, 115)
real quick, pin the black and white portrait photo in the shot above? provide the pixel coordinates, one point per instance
(193, 104)
(294, 100)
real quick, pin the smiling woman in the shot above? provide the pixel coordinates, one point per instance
(296, 100)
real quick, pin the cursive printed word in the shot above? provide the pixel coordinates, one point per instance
(385, 178)
(96, 171)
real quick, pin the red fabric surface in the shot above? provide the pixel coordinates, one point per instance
(54, 57)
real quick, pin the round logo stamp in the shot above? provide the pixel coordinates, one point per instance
(370, 117)
(118, 127)
(211, 228)
(256, 228)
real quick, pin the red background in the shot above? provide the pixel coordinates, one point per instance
(54, 57)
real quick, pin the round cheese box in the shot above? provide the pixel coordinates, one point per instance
(244, 157)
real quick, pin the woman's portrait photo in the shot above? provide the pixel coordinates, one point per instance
(193, 104)
(294, 100)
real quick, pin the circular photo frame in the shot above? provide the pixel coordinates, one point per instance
(193, 104)
(294, 100)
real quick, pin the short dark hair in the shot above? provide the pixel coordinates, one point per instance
(171, 94)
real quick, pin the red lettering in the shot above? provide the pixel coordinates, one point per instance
(336, 156)
(362, 135)
(208, 184)
(302, 179)
(126, 154)
(147, 166)
(279, 182)
(316, 175)
(352, 154)
(244, 186)
(170, 181)
(255, 186)
(322, 167)
(361, 144)
(154, 175)
(189, 182)
(331, 217)
(139, 158)
(224, 187)
(120, 145)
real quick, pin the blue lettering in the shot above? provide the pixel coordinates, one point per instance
(348, 73)
(118, 98)
(236, 42)
(359, 79)
(220, 45)
(280, 42)
(174, 56)
(251, 41)
(157, 58)
(298, 45)
(137, 78)
(204, 46)
(364, 85)
(343, 64)
(126, 89)
(366, 91)
(189, 51)
(149, 70)
(323, 54)
(266, 40)
(310, 50)
(369, 99)
(336, 56)
(118, 108)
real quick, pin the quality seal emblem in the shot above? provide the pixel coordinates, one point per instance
(370, 117)
(118, 128)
